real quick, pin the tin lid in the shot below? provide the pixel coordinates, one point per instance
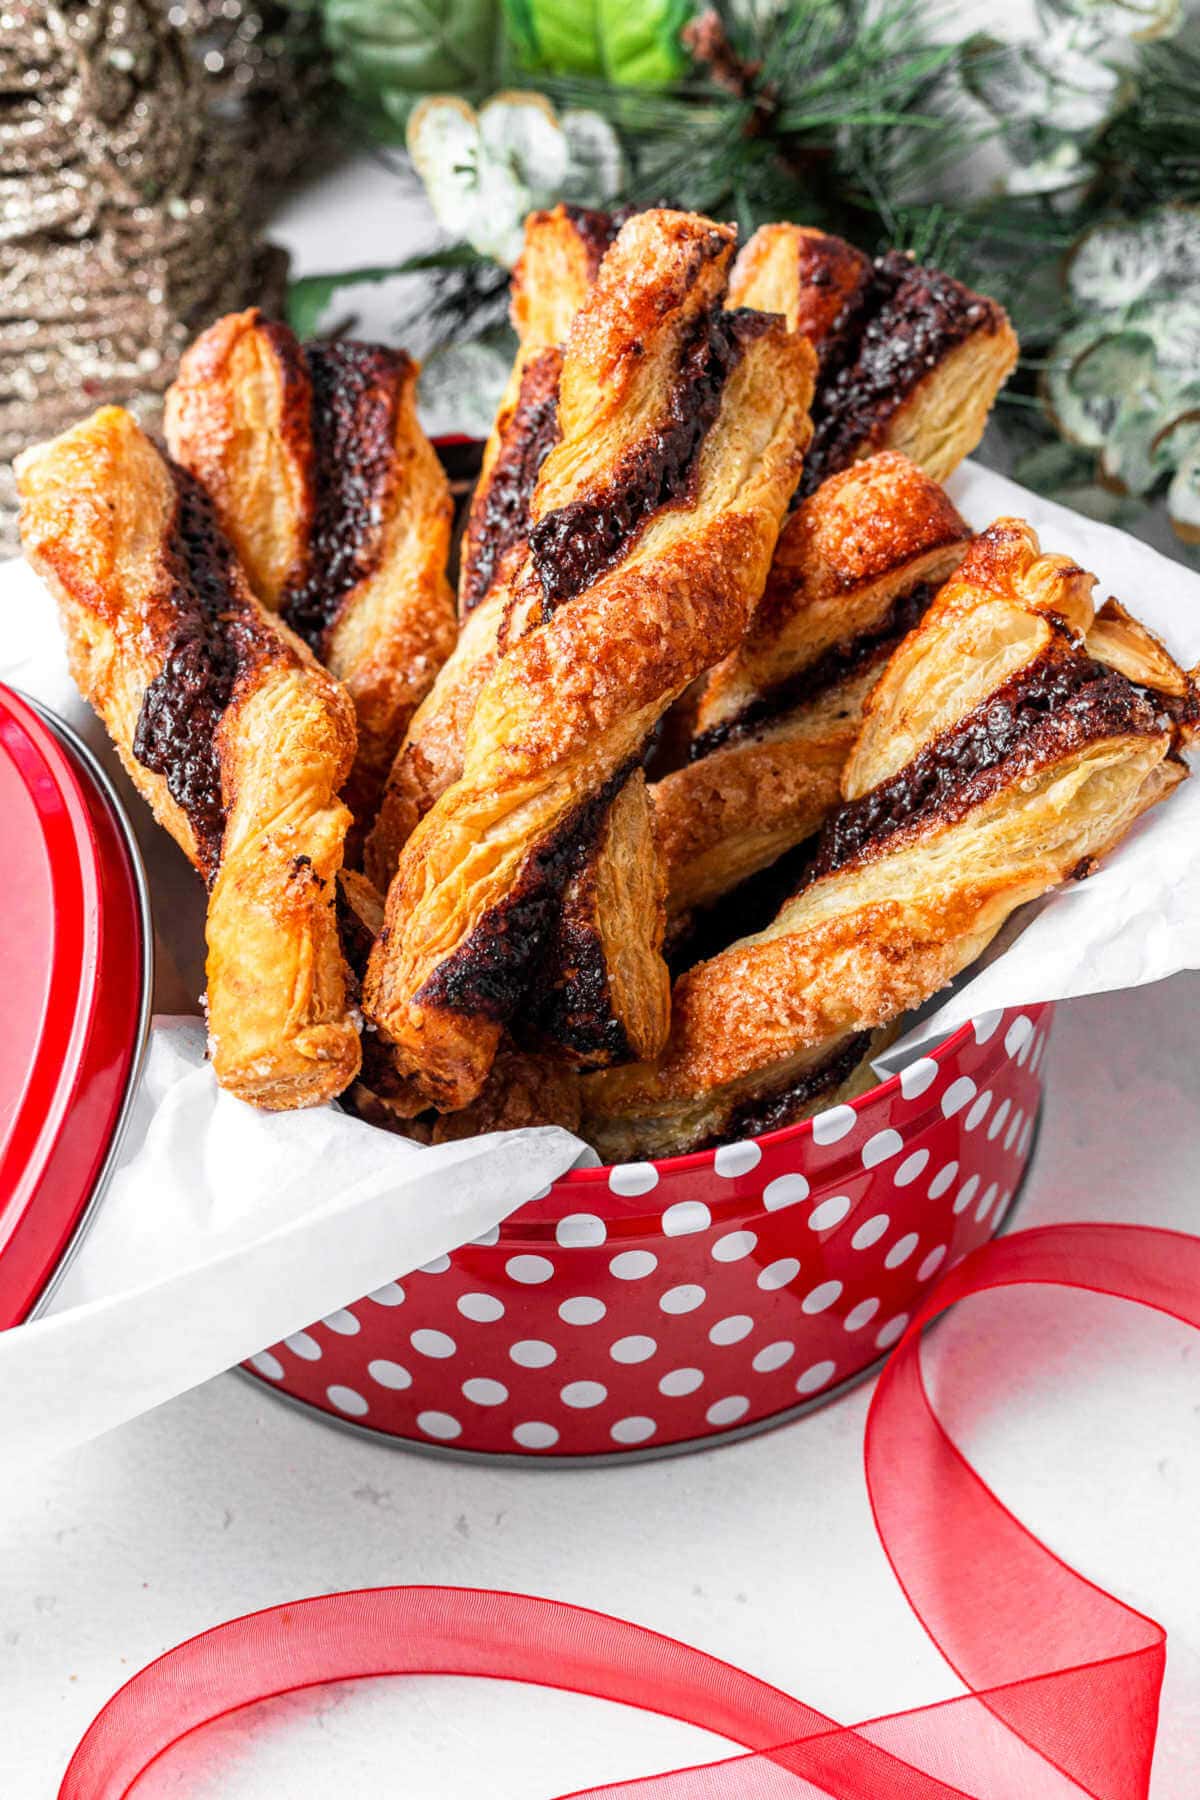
(74, 993)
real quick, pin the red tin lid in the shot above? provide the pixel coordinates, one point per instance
(74, 993)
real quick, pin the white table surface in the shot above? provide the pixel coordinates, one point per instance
(227, 1500)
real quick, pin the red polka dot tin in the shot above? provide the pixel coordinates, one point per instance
(656, 1307)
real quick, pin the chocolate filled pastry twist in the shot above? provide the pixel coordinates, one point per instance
(910, 359)
(681, 433)
(337, 506)
(997, 758)
(562, 253)
(855, 567)
(228, 726)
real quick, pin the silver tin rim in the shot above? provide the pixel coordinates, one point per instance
(610, 1459)
(72, 741)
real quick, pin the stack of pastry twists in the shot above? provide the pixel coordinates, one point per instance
(997, 758)
(907, 358)
(562, 253)
(337, 505)
(681, 430)
(227, 725)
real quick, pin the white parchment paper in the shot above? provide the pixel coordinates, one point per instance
(226, 1229)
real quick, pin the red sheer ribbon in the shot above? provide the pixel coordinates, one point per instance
(1064, 1678)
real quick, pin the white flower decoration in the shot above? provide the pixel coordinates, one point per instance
(483, 171)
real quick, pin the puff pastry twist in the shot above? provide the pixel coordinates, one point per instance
(337, 506)
(228, 727)
(562, 252)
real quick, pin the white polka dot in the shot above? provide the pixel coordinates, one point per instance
(1016, 1038)
(985, 1205)
(633, 1430)
(683, 1299)
(732, 1160)
(637, 1348)
(347, 1400)
(535, 1434)
(1026, 1137)
(390, 1294)
(966, 1194)
(439, 1425)
(484, 1392)
(785, 1190)
(773, 1356)
(726, 1411)
(917, 1077)
(830, 1126)
(633, 1265)
(1002, 1206)
(820, 1298)
(432, 1343)
(734, 1246)
(532, 1353)
(438, 1266)
(978, 1111)
(1039, 1046)
(543, 1193)
(1014, 1128)
(530, 1271)
(996, 1123)
(892, 1331)
(681, 1381)
(686, 1216)
(483, 1308)
(828, 1213)
(932, 1263)
(901, 1250)
(486, 1238)
(633, 1178)
(343, 1322)
(581, 1309)
(943, 1180)
(778, 1274)
(878, 1148)
(816, 1376)
(957, 1095)
(731, 1330)
(861, 1315)
(301, 1344)
(267, 1365)
(389, 1374)
(584, 1393)
(580, 1231)
(910, 1168)
(985, 1025)
(870, 1231)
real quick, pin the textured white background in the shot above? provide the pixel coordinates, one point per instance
(763, 1552)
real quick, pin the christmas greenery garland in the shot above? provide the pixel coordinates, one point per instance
(1061, 172)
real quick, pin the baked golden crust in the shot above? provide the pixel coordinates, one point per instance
(774, 722)
(336, 504)
(228, 727)
(636, 578)
(909, 359)
(603, 994)
(562, 252)
(1023, 761)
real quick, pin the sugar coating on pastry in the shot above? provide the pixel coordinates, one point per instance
(228, 727)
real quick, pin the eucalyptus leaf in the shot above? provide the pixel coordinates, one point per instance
(1120, 263)
(389, 52)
